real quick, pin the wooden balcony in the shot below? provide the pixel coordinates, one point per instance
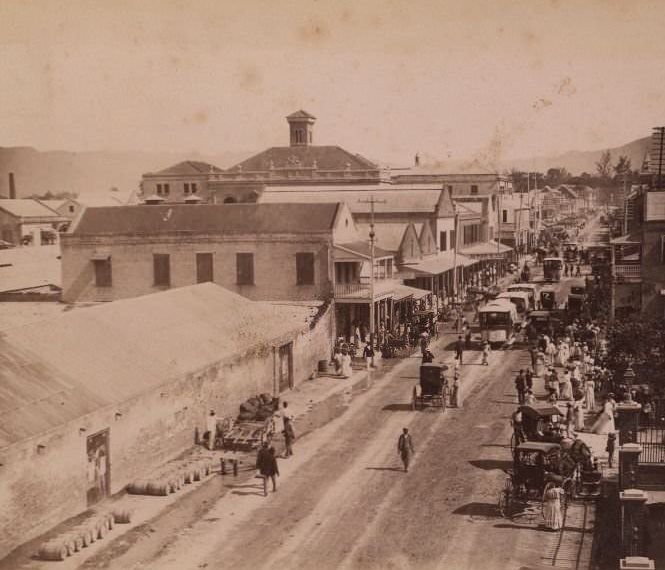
(359, 291)
(627, 273)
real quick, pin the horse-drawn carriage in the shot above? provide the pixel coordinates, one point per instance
(432, 390)
(539, 423)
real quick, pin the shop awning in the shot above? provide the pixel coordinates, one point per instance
(441, 263)
(404, 291)
(490, 248)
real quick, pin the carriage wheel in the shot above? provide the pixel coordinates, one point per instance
(414, 400)
(505, 497)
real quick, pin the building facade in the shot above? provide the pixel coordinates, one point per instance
(28, 222)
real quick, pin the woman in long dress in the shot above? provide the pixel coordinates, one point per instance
(589, 393)
(552, 506)
(346, 365)
(605, 422)
(579, 415)
(565, 387)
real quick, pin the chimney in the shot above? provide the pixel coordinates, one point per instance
(12, 187)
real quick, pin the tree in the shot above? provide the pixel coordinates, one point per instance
(556, 176)
(604, 165)
(622, 166)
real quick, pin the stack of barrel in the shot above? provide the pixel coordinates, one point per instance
(172, 477)
(82, 535)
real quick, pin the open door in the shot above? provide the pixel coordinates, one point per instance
(285, 367)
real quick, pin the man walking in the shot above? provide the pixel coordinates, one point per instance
(405, 448)
(529, 379)
(289, 437)
(520, 386)
(266, 464)
(459, 349)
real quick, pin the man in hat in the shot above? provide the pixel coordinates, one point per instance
(405, 448)
(211, 428)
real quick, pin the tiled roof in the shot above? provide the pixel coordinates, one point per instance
(188, 167)
(57, 370)
(207, 218)
(301, 115)
(319, 157)
(27, 208)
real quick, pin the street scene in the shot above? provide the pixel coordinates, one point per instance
(325, 300)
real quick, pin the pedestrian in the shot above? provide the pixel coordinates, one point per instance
(590, 393)
(266, 464)
(579, 415)
(530, 399)
(405, 448)
(529, 379)
(487, 349)
(570, 420)
(211, 428)
(520, 386)
(289, 437)
(428, 357)
(518, 426)
(368, 355)
(611, 441)
(459, 350)
(346, 364)
(467, 338)
(552, 506)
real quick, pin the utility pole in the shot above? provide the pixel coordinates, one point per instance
(371, 201)
(455, 231)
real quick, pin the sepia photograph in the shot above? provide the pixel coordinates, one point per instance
(332, 285)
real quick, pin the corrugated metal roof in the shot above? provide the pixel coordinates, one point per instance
(207, 218)
(27, 208)
(391, 200)
(59, 369)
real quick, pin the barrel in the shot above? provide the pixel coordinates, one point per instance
(158, 488)
(55, 549)
(74, 542)
(138, 487)
(85, 533)
(122, 516)
(110, 520)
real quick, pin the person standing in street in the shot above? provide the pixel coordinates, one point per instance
(266, 464)
(552, 506)
(211, 428)
(459, 350)
(368, 355)
(611, 441)
(467, 338)
(529, 379)
(487, 349)
(520, 386)
(289, 437)
(405, 448)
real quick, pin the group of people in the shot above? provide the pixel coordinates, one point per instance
(266, 457)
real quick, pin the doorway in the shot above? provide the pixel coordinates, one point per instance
(204, 268)
(98, 466)
(285, 367)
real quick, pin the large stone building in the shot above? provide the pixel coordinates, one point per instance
(125, 385)
(180, 182)
(263, 252)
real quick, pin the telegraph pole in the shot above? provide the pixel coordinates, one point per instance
(371, 201)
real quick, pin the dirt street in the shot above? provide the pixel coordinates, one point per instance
(344, 502)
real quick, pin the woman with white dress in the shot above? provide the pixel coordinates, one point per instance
(346, 365)
(605, 422)
(590, 393)
(552, 506)
(579, 415)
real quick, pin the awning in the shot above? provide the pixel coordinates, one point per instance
(490, 248)
(627, 239)
(404, 291)
(440, 263)
(101, 256)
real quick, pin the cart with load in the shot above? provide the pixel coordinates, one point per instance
(248, 435)
(432, 390)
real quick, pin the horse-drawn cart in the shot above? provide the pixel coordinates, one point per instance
(432, 390)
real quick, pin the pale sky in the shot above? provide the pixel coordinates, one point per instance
(508, 78)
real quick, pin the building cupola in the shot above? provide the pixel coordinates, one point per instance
(301, 126)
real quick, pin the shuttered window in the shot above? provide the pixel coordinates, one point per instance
(245, 268)
(162, 269)
(304, 268)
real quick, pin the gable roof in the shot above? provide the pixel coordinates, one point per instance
(310, 156)
(57, 370)
(186, 168)
(300, 114)
(27, 208)
(207, 218)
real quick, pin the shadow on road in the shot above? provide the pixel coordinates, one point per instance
(478, 510)
(398, 469)
(397, 408)
(490, 464)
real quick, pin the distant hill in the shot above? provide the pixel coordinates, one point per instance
(576, 162)
(37, 172)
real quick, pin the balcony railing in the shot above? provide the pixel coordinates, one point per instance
(352, 290)
(631, 272)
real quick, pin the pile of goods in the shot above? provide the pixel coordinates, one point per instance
(82, 535)
(258, 409)
(172, 477)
